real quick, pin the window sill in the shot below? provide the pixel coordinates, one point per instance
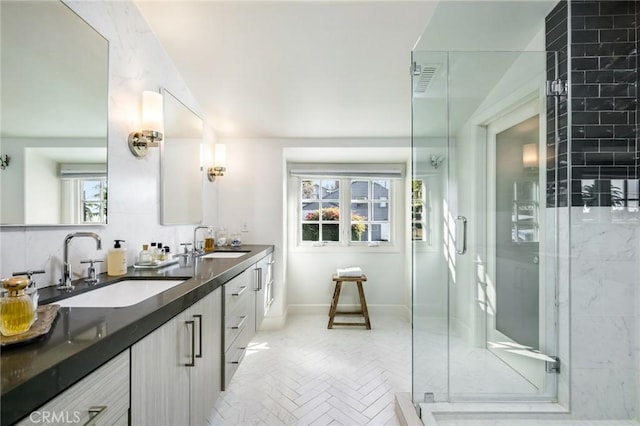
(347, 249)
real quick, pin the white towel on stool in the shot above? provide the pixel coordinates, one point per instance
(349, 272)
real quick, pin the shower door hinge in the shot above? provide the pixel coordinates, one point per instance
(416, 69)
(553, 366)
(557, 87)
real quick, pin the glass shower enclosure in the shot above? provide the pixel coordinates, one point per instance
(484, 233)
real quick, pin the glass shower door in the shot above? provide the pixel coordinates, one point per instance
(484, 288)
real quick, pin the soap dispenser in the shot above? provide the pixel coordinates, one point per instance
(16, 307)
(117, 259)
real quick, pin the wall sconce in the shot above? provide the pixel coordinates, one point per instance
(219, 163)
(152, 125)
(4, 161)
(530, 155)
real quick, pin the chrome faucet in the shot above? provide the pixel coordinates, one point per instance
(196, 249)
(65, 281)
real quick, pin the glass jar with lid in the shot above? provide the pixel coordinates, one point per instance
(16, 307)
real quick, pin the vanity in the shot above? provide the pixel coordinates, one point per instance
(163, 360)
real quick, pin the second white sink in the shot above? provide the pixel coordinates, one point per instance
(224, 254)
(120, 294)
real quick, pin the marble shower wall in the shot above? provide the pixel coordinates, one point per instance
(137, 62)
(604, 334)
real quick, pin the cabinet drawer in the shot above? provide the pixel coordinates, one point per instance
(234, 354)
(234, 325)
(106, 390)
(237, 290)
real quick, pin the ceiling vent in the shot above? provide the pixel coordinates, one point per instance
(424, 79)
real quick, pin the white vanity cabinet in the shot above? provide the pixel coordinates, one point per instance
(101, 398)
(263, 287)
(175, 371)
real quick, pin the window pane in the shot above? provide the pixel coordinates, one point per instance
(310, 232)
(330, 212)
(331, 232)
(359, 212)
(380, 232)
(380, 211)
(331, 189)
(310, 189)
(359, 190)
(381, 189)
(359, 232)
(91, 212)
(310, 211)
(91, 190)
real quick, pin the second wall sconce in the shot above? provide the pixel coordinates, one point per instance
(152, 125)
(530, 155)
(219, 163)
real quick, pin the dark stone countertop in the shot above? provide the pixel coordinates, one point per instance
(83, 339)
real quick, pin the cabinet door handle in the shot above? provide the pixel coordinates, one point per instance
(239, 291)
(95, 413)
(240, 324)
(193, 344)
(199, 316)
(464, 235)
(258, 279)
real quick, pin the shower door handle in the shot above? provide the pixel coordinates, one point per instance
(464, 235)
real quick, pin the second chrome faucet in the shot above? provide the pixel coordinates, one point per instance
(65, 281)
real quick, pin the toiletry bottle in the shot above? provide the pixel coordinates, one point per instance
(153, 251)
(16, 307)
(117, 260)
(145, 255)
(209, 242)
(159, 252)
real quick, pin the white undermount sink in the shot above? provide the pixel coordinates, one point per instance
(118, 295)
(224, 254)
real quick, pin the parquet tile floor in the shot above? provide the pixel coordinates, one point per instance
(306, 374)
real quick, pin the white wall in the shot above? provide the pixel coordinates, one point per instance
(253, 191)
(137, 62)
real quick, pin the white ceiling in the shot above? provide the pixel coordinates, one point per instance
(295, 68)
(326, 68)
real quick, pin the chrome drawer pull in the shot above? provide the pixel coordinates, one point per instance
(241, 357)
(240, 291)
(240, 324)
(193, 344)
(199, 316)
(94, 413)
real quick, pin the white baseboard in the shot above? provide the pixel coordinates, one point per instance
(272, 323)
(323, 309)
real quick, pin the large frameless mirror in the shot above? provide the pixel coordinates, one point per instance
(180, 164)
(53, 140)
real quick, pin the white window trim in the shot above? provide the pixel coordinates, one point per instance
(396, 217)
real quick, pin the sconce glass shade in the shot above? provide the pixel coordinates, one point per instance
(220, 155)
(152, 125)
(219, 162)
(530, 155)
(152, 117)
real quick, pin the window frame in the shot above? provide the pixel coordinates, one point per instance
(102, 202)
(345, 222)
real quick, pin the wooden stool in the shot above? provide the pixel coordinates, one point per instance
(363, 303)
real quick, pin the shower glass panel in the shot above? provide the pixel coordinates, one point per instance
(484, 239)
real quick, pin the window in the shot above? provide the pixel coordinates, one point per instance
(370, 210)
(93, 200)
(419, 210)
(320, 209)
(330, 205)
